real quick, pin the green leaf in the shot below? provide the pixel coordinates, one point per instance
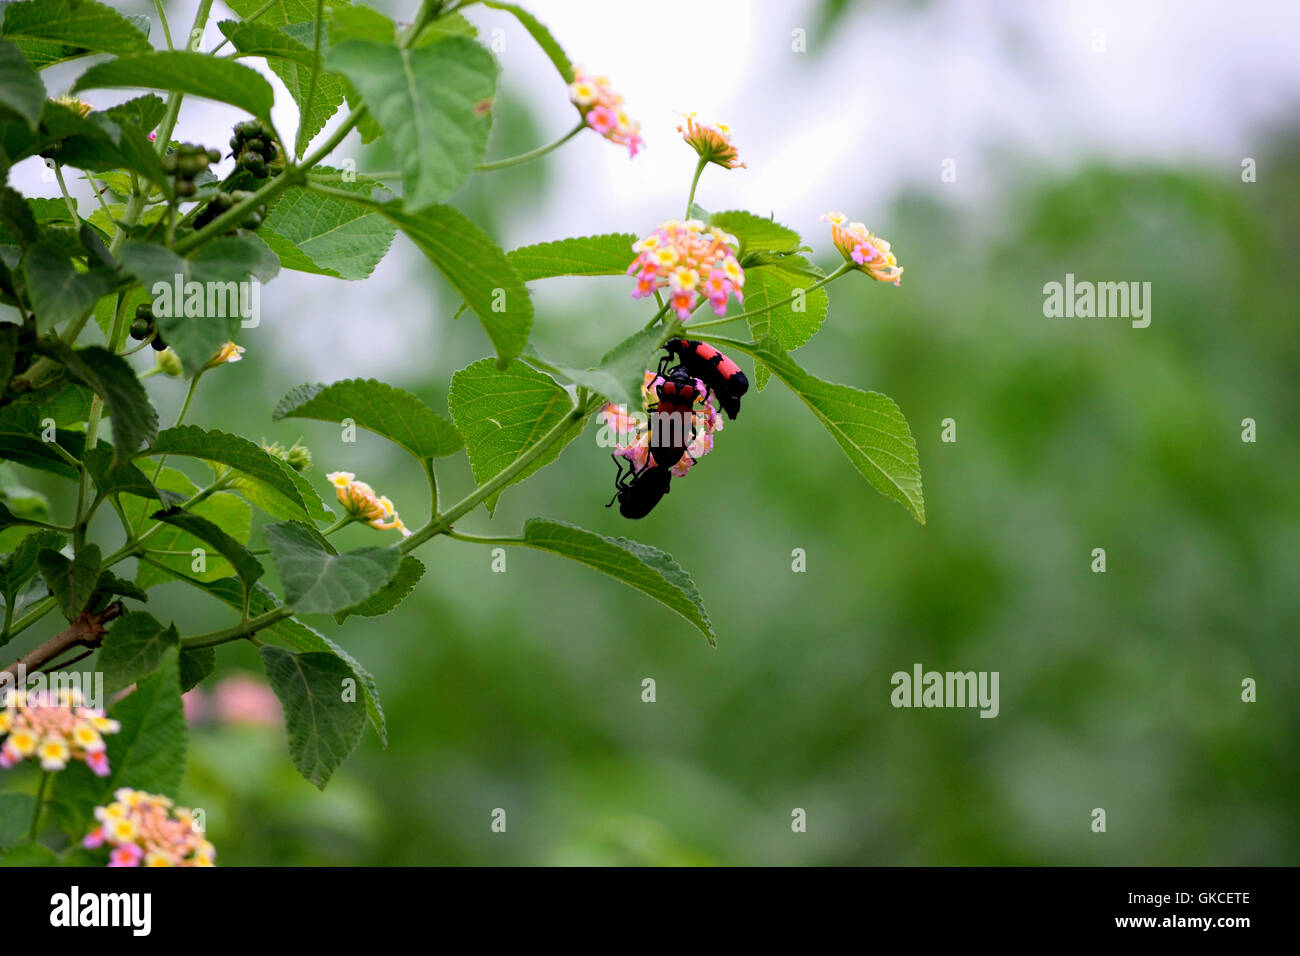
(291, 60)
(476, 268)
(433, 103)
(133, 649)
(276, 504)
(390, 595)
(147, 754)
(539, 33)
(181, 71)
(71, 581)
(15, 817)
(770, 284)
(226, 449)
(756, 234)
(22, 441)
(198, 329)
(79, 24)
(20, 566)
(59, 292)
(605, 255)
(111, 584)
(110, 480)
(326, 236)
(391, 412)
(21, 90)
(223, 509)
(317, 581)
(868, 425)
(323, 726)
(246, 566)
(502, 413)
(66, 402)
(294, 634)
(638, 565)
(196, 664)
(135, 421)
(29, 855)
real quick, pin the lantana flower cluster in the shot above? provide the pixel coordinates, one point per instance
(602, 110)
(55, 727)
(690, 260)
(867, 251)
(705, 421)
(146, 829)
(360, 501)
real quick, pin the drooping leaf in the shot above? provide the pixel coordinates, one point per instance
(549, 46)
(391, 412)
(319, 581)
(196, 664)
(135, 420)
(182, 71)
(232, 450)
(503, 412)
(868, 426)
(409, 571)
(476, 268)
(110, 479)
(58, 291)
(432, 102)
(21, 90)
(133, 649)
(327, 236)
(223, 509)
(323, 724)
(637, 565)
(71, 580)
(246, 566)
(605, 255)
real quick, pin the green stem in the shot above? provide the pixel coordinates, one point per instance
(482, 538)
(162, 15)
(695, 181)
(663, 308)
(842, 270)
(532, 154)
(243, 629)
(439, 523)
(67, 198)
(40, 800)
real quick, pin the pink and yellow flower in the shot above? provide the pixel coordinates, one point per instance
(56, 728)
(144, 828)
(634, 428)
(602, 109)
(868, 252)
(692, 261)
(360, 501)
(712, 143)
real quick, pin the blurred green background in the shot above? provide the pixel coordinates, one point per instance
(522, 690)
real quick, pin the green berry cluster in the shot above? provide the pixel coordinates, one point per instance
(255, 148)
(225, 200)
(144, 325)
(184, 163)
